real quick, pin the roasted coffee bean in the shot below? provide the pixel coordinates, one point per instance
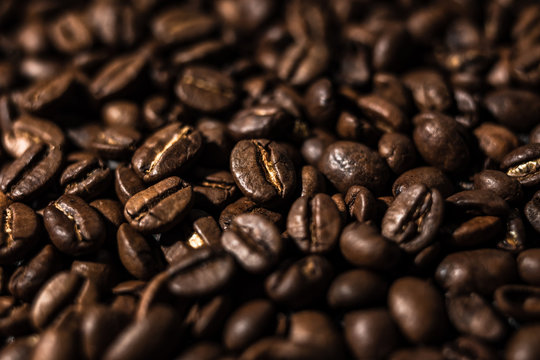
(501, 184)
(141, 257)
(439, 141)
(528, 263)
(114, 142)
(361, 203)
(20, 231)
(201, 273)
(354, 128)
(31, 173)
(480, 271)
(166, 152)
(477, 231)
(74, 227)
(312, 181)
(478, 202)
(217, 142)
(431, 177)
(58, 342)
(262, 170)
(468, 348)
(418, 309)
(300, 283)
(110, 210)
(347, 163)
(126, 183)
(180, 25)
(205, 89)
(114, 24)
(413, 218)
(86, 177)
(254, 241)
(371, 334)
(523, 164)
(303, 62)
(28, 279)
(262, 121)
(520, 302)
(362, 245)
(159, 207)
(121, 113)
(320, 101)
(70, 33)
(215, 189)
(249, 323)
(99, 327)
(398, 151)
(393, 43)
(244, 205)
(314, 223)
(429, 90)
(313, 148)
(160, 325)
(513, 108)
(495, 140)
(27, 130)
(207, 318)
(473, 315)
(357, 288)
(524, 344)
(383, 114)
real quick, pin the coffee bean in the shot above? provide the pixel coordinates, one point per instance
(215, 189)
(528, 263)
(520, 302)
(302, 63)
(362, 245)
(513, 108)
(166, 152)
(20, 231)
(244, 205)
(179, 25)
(313, 148)
(361, 203)
(159, 207)
(201, 273)
(262, 170)
(249, 323)
(262, 121)
(439, 141)
(383, 114)
(477, 231)
(501, 184)
(431, 177)
(472, 315)
(207, 317)
(205, 89)
(354, 128)
(398, 151)
(70, 33)
(121, 113)
(357, 288)
(478, 202)
(115, 142)
(126, 183)
(468, 347)
(523, 164)
(320, 100)
(141, 257)
(314, 223)
(99, 327)
(417, 307)
(346, 163)
(429, 90)
(495, 140)
(73, 226)
(300, 283)
(370, 334)
(31, 173)
(86, 177)
(217, 142)
(19, 349)
(480, 271)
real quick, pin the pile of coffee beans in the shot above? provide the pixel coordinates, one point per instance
(262, 179)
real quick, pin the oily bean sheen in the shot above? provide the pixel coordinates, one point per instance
(262, 170)
(347, 163)
(159, 207)
(74, 227)
(254, 241)
(314, 223)
(413, 218)
(166, 152)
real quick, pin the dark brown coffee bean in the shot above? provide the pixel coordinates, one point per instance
(58, 342)
(114, 24)
(254, 241)
(480, 271)
(205, 89)
(152, 336)
(28, 279)
(312, 181)
(524, 344)
(495, 140)
(513, 108)
(20, 231)
(431, 177)
(393, 43)
(528, 263)
(371, 334)
(478, 202)
(120, 76)
(86, 177)
(27, 130)
(320, 101)
(439, 141)
(180, 25)
(141, 257)
(398, 151)
(302, 63)
(31, 173)
(313, 148)
(261, 121)
(215, 189)
(361, 203)
(429, 90)
(262, 170)
(476, 231)
(354, 128)
(249, 323)
(166, 152)
(523, 164)
(501, 184)
(159, 207)
(414, 217)
(218, 145)
(99, 327)
(363, 245)
(126, 182)
(244, 205)
(472, 315)
(70, 33)
(314, 223)
(207, 318)
(521, 302)
(347, 163)
(357, 288)
(300, 283)
(465, 348)
(418, 309)
(121, 113)
(383, 114)
(201, 273)
(114, 142)
(16, 321)
(73, 226)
